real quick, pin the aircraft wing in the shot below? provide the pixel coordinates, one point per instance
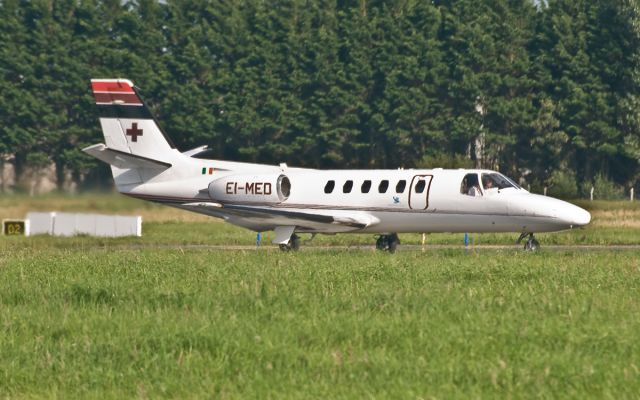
(309, 220)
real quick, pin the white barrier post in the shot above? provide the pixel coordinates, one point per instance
(631, 194)
(545, 190)
(591, 193)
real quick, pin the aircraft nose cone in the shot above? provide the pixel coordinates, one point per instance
(576, 216)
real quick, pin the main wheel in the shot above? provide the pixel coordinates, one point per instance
(285, 247)
(392, 247)
(394, 241)
(294, 243)
(388, 242)
(381, 243)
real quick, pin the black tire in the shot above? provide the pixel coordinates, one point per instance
(294, 243)
(532, 245)
(535, 245)
(392, 246)
(394, 241)
(285, 247)
(381, 243)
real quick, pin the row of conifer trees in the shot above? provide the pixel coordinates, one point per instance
(539, 90)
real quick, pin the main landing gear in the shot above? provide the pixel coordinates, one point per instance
(293, 244)
(531, 244)
(388, 242)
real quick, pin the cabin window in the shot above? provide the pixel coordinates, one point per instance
(470, 185)
(366, 186)
(420, 186)
(348, 185)
(328, 188)
(384, 185)
(496, 181)
(400, 186)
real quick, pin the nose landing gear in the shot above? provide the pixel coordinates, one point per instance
(388, 242)
(531, 244)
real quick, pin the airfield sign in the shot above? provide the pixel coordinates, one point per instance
(14, 227)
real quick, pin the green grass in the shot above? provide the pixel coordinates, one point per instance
(175, 233)
(613, 223)
(159, 316)
(329, 324)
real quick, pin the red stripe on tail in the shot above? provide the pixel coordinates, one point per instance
(126, 98)
(111, 86)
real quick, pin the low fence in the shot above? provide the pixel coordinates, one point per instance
(592, 193)
(71, 224)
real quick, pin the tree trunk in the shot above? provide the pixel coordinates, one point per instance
(20, 164)
(479, 149)
(60, 176)
(3, 182)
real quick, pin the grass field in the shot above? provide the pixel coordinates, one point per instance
(616, 223)
(90, 318)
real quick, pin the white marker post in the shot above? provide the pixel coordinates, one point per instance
(631, 194)
(591, 193)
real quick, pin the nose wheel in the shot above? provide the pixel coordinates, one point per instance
(531, 244)
(388, 242)
(292, 245)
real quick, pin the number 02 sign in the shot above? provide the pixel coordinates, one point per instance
(13, 227)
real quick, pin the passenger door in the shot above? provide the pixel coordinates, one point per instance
(419, 192)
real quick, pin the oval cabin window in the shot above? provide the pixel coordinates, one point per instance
(348, 185)
(384, 185)
(420, 186)
(366, 186)
(400, 186)
(328, 188)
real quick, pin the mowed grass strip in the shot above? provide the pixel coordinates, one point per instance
(330, 324)
(216, 233)
(614, 223)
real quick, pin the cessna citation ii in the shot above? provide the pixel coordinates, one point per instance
(146, 165)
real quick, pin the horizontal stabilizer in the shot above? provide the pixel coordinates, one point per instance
(122, 159)
(196, 151)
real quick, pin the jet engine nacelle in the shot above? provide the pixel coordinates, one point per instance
(270, 188)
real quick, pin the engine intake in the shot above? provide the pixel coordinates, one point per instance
(251, 189)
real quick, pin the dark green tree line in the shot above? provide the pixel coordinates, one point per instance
(532, 89)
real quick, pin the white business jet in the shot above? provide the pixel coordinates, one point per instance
(288, 201)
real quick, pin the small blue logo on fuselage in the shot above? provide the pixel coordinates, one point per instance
(396, 200)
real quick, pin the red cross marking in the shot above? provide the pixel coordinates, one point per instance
(134, 132)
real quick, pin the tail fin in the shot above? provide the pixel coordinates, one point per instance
(127, 123)
(136, 147)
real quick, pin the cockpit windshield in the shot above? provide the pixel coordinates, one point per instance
(491, 181)
(497, 181)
